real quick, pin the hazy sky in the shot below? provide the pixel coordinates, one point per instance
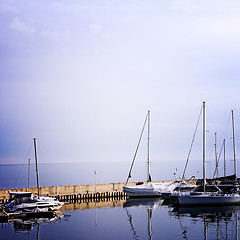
(80, 76)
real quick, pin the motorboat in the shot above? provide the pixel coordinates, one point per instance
(27, 201)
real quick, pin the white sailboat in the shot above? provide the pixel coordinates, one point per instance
(207, 195)
(27, 201)
(149, 189)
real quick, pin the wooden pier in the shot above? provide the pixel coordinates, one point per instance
(90, 197)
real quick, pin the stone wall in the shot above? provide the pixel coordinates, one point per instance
(72, 189)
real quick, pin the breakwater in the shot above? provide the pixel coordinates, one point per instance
(76, 193)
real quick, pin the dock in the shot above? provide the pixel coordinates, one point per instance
(90, 197)
(77, 193)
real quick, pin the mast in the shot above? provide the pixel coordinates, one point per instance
(28, 174)
(194, 135)
(35, 148)
(204, 145)
(224, 156)
(148, 159)
(216, 157)
(234, 148)
(139, 141)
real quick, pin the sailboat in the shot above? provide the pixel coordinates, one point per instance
(210, 195)
(27, 201)
(149, 189)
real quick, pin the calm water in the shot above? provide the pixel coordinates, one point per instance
(130, 219)
(125, 219)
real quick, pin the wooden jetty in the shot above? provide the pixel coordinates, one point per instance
(90, 197)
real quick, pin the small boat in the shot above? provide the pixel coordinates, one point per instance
(214, 195)
(26, 201)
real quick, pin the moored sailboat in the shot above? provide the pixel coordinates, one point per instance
(206, 195)
(149, 189)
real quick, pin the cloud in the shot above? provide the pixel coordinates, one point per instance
(18, 25)
(7, 8)
(54, 35)
(189, 6)
(94, 28)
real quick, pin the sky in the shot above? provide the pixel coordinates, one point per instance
(80, 77)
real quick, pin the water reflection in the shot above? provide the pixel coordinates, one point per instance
(221, 221)
(25, 225)
(130, 219)
(147, 203)
(29, 224)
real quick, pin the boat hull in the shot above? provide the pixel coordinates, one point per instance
(198, 200)
(131, 192)
(33, 207)
(149, 189)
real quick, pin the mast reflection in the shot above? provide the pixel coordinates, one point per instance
(214, 218)
(146, 203)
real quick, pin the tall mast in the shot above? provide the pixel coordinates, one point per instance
(35, 148)
(139, 141)
(216, 155)
(204, 145)
(28, 174)
(234, 148)
(224, 156)
(148, 159)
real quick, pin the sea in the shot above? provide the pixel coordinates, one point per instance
(115, 218)
(129, 219)
(64, 174)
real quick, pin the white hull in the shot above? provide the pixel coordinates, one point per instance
(149, 189)
(142, 193)
(33, 206)
(209, 199)
(22, 201)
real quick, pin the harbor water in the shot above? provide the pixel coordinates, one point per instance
(116, 218)
(130, 219)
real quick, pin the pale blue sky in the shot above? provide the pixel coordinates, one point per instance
(80, 76)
